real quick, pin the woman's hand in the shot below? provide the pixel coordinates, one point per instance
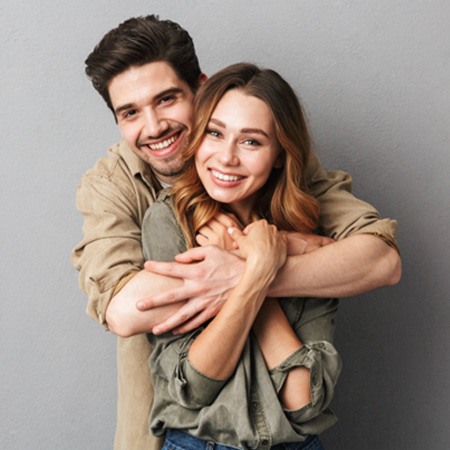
(262, 246)
(215, 232)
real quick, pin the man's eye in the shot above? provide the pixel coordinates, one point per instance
(166, 99)
(130, 113)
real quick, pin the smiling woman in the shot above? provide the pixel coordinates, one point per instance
(238, 151)
(262, 372)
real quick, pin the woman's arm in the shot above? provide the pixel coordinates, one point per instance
(216, 351)
(277, 341)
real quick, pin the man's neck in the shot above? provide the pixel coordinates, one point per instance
(163, 185)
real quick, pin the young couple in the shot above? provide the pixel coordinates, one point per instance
(262, 372)
(248, 371)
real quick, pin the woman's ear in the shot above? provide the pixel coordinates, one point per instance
(279, 162)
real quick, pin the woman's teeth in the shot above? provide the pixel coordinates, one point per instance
(224, 177)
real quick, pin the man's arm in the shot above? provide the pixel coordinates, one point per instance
(354, 265)
(364, 258)
(111, 246)
(122, 316)
(345, 268)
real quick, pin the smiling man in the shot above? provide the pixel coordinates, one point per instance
(147, 72)
(155, 117)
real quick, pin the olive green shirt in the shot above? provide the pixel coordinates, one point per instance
(245, 410)
(112, 198)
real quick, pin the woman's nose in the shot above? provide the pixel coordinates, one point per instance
(229, 154)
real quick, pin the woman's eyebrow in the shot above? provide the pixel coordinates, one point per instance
(243, 130)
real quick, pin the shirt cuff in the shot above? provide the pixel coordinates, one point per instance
(324, 363)
(123, 281)
(194, 387)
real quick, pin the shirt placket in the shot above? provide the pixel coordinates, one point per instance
(259, 421)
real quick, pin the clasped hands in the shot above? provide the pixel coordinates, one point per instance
(210, 271)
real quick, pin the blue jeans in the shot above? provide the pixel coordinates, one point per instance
(179, 440)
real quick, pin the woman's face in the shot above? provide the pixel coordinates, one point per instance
(238, 152)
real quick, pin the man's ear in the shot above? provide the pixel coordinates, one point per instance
(203, 78)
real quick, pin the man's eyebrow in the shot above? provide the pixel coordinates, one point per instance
(160, 95)
(172, 90)
(124, 107)
(243, 130)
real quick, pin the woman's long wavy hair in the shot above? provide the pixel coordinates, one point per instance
(283, 200)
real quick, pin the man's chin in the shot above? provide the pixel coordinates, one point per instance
(168, 173)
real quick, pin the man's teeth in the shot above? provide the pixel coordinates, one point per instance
(163, 144)
(224, 177)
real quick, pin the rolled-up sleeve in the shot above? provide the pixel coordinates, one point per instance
(186, 385)
(111, 245)
(341, 213)
(325, 365)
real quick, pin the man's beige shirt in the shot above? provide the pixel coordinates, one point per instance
(113, 197)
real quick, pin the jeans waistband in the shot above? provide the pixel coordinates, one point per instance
(179, 440)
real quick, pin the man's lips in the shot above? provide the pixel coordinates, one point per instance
(164, 146)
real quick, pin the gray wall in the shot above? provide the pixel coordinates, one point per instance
(374, 76)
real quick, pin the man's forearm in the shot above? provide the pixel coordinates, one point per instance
(122, 316)
(345, 268)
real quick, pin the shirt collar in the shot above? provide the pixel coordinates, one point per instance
(138, 167)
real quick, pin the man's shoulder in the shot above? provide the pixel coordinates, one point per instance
(119, 158)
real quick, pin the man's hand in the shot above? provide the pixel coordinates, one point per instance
(301, 243)
(207, 275)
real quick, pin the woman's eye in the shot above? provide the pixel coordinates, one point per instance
(251, 142)
(212, 132)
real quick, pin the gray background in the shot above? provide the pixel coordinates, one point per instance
(374, 76)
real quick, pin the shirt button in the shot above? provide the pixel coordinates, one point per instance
(265, 442)
(255, 405)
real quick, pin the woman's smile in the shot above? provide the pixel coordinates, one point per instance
(238, 151)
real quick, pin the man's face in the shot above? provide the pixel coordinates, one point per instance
(154, 108)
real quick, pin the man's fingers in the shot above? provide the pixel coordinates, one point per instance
(163, 299)
(192, 255)
(193, 323)
(169, 324)
(170, 269)
(185, 314)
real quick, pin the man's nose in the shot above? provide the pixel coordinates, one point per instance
(154, 125)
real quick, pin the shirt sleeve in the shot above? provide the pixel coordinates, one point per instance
(162, 239)
(185, 384)
(315, 328)
(111, 245)
(341, 213)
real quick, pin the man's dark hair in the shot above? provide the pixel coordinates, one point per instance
(138, 41)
